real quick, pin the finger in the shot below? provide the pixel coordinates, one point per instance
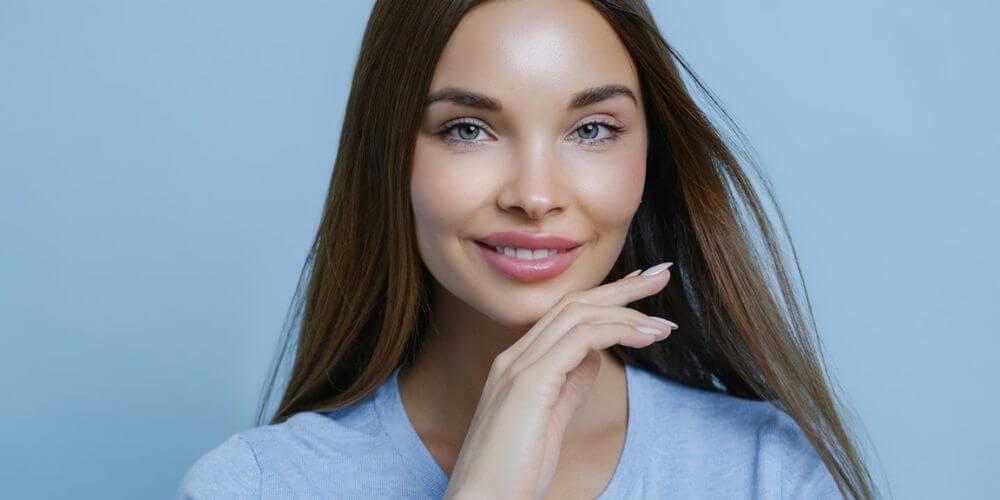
(569, 351)
(617, 293)
(578, 312)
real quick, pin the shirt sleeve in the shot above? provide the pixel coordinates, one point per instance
(231, 470)
(803, 472)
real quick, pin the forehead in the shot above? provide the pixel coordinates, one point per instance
(552, 47)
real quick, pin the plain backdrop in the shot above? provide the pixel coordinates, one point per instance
(163, 166)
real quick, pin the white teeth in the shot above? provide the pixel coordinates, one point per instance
(526, 254)
(541, 253)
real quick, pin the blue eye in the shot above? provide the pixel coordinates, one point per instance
(468, 131)
(467, 128)
(595, 128)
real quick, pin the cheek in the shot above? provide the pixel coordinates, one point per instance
(612, 189)
(444, 196)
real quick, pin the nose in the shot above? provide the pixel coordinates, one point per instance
(535, 184)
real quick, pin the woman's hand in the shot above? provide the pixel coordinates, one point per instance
(534, 387)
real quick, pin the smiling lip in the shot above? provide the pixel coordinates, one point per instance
(523, 239)
(523, 269)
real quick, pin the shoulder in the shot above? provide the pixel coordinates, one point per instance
(285, 459)
(700, 414)
(801, 470)
(749, 441)
(230, 470)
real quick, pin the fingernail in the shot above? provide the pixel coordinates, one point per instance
(657, 269)
(633, 273)
(651, 331)
(665, 321)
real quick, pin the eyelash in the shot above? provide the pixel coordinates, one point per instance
(445, 133)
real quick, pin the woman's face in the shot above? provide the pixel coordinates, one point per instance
(540, 162)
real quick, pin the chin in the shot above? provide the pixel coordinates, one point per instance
(520, 309)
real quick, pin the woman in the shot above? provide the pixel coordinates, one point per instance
(467, 330)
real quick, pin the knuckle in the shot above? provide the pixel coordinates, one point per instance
(516, 369)
(584, 331)
(501, 361)
(574, 308)
(569, 298)
(501, 377)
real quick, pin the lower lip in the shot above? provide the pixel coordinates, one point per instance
(529, 270)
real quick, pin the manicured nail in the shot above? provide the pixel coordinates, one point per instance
(633, 273)
(657, 269)
(651, 331)
(667, 322)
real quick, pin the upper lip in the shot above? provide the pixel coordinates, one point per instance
(526, 240)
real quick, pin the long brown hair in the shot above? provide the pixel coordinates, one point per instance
(365, 307)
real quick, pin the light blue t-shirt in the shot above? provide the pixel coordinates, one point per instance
(680, 442)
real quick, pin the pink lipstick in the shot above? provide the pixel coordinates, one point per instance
(527, 257)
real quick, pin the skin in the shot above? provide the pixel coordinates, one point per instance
(534, 165)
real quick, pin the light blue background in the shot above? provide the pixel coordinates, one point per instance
(163, 167)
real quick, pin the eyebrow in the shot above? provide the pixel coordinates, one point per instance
(586, 97)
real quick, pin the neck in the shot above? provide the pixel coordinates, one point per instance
(441, 388)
